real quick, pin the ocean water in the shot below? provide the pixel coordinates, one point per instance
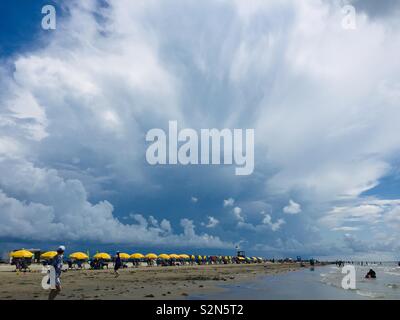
(319, 283)
(385, 286)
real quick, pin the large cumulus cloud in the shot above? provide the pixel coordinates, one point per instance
(323, 101)
(56, 209)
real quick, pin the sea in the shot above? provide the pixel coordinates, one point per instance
(319, 283)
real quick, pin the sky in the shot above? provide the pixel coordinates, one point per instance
(323, 100)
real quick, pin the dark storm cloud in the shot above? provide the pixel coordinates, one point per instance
(378, 9)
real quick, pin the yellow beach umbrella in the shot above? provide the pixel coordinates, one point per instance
(184, 256)
(192, 257)
(102, 255)
(174, 256)
(21, 254)
(205, 258)
(48, 255)
(124, 256)
(164, 256)
(241, 258)
(79, 256)
(137, 256)
(200, 257)
(151, 256)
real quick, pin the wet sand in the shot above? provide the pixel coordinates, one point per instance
(178, 282)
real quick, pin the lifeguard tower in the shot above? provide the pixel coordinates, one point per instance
(241, 254)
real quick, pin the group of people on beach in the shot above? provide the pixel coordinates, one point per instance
(21, 264)
(57, 263)
(371, 274)
(98, 264)
(341, 263)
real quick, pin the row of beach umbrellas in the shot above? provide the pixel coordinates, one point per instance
(124, 256)
(136, 256)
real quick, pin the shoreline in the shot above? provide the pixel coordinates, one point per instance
(164, 283)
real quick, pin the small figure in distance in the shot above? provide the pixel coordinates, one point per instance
(117, 264)
(371, 274)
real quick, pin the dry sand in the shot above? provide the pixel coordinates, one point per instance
(135, 283)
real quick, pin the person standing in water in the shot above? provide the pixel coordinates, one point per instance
(371, 274)
(57, 264)
(117, 264)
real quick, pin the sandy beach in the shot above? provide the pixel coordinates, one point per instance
(135, 283)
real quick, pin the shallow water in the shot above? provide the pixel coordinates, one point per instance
(385, 286)
(317, 284)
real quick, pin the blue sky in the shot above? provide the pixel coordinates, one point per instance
(19, 27)
(76, 103)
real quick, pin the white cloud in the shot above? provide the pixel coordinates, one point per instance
(57, 209)
(292, 208)
(194, 199)
(379, 217)
(344, 228)
(275, 226)
(363, 213)
(355, 244)
(166, 226)
(153, 221)
(392, 217)
(237, 213)
(265, 224)
(229, 202)
(341, 150)
(212, 222)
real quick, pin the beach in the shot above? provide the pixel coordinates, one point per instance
(178, 282)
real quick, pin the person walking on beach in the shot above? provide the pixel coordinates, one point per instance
(57, 264)
(117, 264)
